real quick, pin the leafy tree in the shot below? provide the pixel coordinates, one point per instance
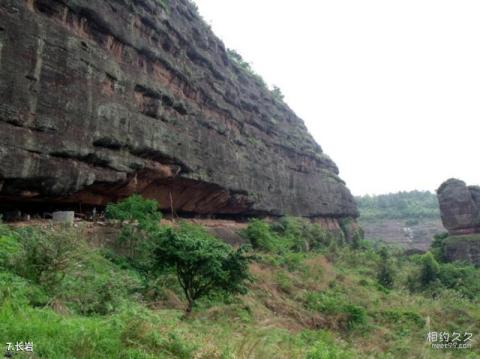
(430, 269)
(203, 264)
(134, 208)
(141, 216)
(385, 275)
(437, 246)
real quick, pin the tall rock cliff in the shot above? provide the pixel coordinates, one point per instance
(101, 99)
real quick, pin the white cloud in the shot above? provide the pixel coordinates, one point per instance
(390, 89)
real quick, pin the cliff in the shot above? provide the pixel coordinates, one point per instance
(101, 99)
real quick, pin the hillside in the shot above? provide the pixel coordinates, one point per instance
(401, 205)
(309, 296)
(407, 219)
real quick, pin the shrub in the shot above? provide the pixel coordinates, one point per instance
(134, 208)
(277, 94)
(385, 272)
(261, 237)
(288, 234)
(322, 344)
(400, 317)
(335, 303)
(203, 263)
(292, 261)
(58, 268)
(46, 256)
(18, 291)
(461, 277)
(293, 233)
(96, 286)
(322, 350)
(353, 233)
(320, 238)
(429, 269)
(9, 250)
(437, 246)
(141, 216)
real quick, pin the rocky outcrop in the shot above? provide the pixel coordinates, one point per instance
(463, 248)
(460, 211)
(459, 207)
(101, 99)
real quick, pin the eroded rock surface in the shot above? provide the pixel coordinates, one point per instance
(463, 248)
(101, 99)
(459, 207)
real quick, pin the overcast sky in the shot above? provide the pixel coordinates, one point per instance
(390, 89)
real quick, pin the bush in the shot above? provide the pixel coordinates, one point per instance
(18, 291)
(58, 268)
(203, 263)
(277, 94)
(10, 248)
(141, 216)
(288, 234)
(134, 208)
(46, 256)
(335, 303)
(400, 317)
(261, 237)
(437, 246)
(462, 278)
(352, 232)
(293, 233)
(385, 272)
(429, 269)
(323, 345)
(323, 350)
(96, 286)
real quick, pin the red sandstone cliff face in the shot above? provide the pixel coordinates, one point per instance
(101, 99)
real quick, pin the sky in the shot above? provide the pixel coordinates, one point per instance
(389, 89)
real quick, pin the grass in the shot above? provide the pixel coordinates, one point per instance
(323, 304)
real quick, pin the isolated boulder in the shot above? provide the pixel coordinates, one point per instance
(459, 207)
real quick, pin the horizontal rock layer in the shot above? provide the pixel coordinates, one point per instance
(101, 99)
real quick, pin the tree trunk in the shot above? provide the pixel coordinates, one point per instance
(188, 311)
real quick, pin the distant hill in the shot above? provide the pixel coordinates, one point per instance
(401, 205)
(406, 219)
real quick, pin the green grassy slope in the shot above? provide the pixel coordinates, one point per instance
(321, 304)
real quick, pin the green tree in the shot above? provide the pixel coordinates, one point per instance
(134, 209)
(142, 217)
(385, 275)
(430, 269)
(203, 264)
